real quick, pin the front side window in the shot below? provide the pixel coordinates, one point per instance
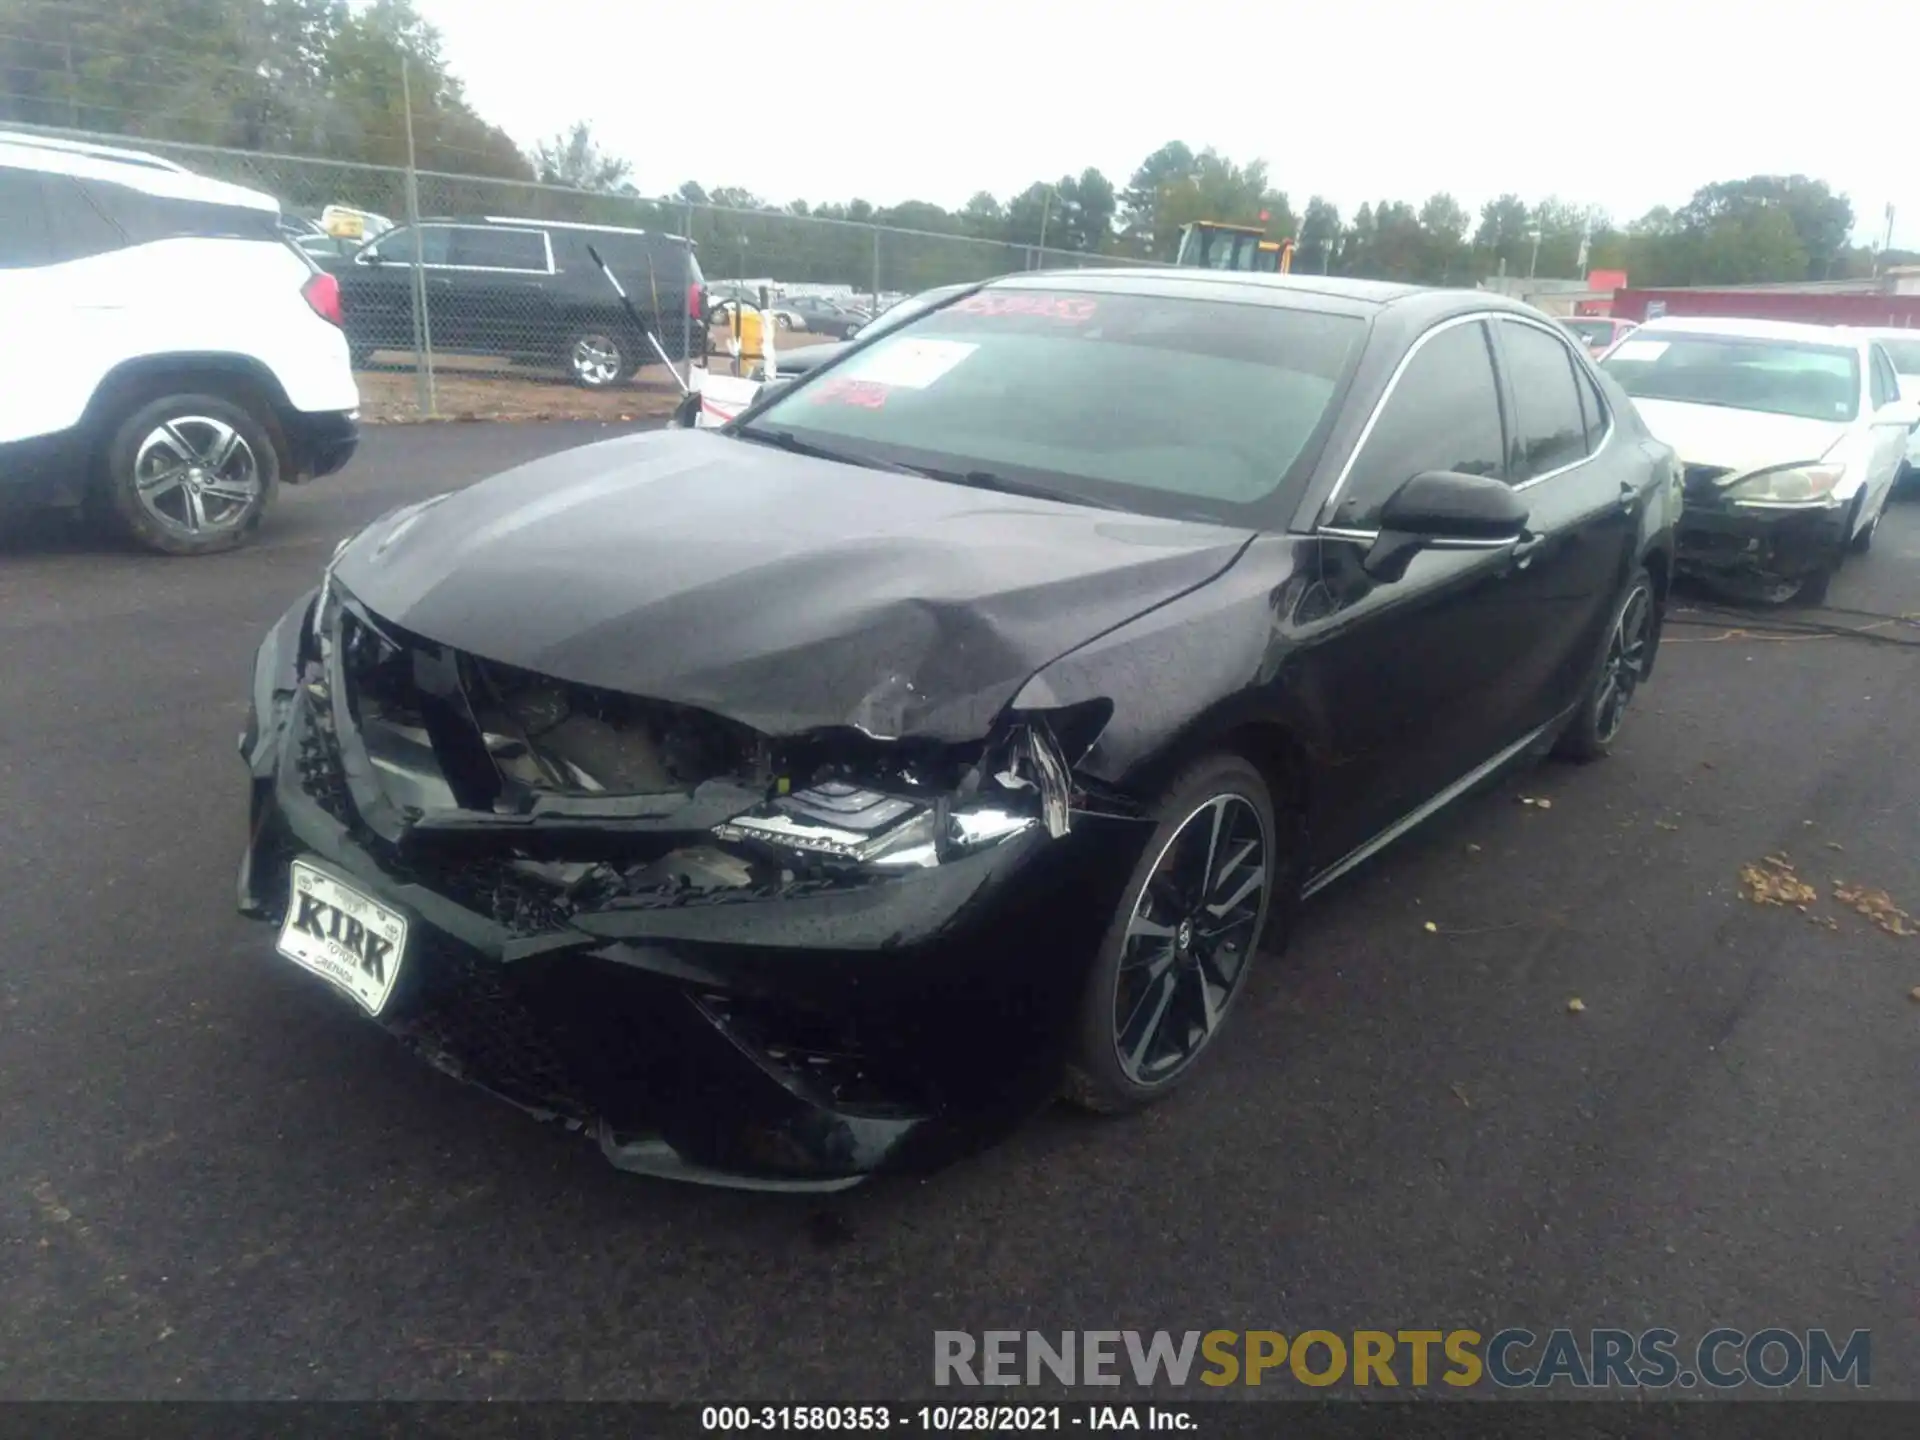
(1549, 430)
(1157, 404)
(1775, 377)
(1905, 355)
(1889, 379)
(1443, 414)
(396, 246)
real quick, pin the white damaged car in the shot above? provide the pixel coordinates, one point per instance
(1790, 437)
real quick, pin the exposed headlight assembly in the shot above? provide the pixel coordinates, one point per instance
(1022, 783)
(1790, 487)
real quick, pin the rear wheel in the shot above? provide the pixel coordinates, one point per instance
(188, 474)
(597, 359)
(1597, 723)
(1177, 953)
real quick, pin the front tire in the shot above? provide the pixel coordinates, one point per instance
(1603, 710)
(1862, 541)
(597, 359)
(1176, 955)
(189, 474)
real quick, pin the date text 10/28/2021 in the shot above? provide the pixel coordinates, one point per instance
(937, 1419)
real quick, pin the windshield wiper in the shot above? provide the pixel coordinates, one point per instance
(991, 480)
(787, 440)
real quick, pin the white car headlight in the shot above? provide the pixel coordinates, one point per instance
(1793, 487)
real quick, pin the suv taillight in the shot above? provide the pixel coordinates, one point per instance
(696, 300)
(322, 292)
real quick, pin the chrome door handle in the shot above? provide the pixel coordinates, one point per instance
(1524, 547)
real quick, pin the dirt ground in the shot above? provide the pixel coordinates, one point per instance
(475, 387)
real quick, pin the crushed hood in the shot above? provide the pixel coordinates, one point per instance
(781, 591)
(1738, 440)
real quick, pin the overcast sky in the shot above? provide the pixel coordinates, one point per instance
(1625, 105)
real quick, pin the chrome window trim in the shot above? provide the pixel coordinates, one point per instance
(1453, 542)
(546, 242)
(1393, 384)
(1599, 395)
(1386, 394)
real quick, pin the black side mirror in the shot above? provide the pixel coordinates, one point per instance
(1444, 508)
(686, 415)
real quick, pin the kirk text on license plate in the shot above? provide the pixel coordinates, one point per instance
(343, 936)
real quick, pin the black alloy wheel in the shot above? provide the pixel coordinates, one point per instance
(1178, 952)
(1603, 712)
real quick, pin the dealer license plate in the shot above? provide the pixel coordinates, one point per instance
(343, 936)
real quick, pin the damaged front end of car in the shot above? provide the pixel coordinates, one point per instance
(1762, 534)
(729, 955)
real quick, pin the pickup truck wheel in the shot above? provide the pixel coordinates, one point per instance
(597, 359)
(188, 474)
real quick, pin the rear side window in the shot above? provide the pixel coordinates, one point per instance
(146, 219)
(500, 249)
(1444, 414)
(78, 227)
(1549, 429)
(48, 220)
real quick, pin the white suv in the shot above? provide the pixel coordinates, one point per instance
(168, 358)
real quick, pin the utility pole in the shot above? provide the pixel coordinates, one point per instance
(1534, 264)
(422, 326)
(1046, 211)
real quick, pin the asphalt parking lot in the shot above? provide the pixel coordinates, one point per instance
(216, 1182)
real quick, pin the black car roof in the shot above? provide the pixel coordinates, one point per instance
(1416, 306)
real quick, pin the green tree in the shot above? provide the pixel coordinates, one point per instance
(576, 159)
(1319, 237)
(1822, 220)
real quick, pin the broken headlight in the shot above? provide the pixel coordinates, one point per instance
(1791, 487)
(1021, 783)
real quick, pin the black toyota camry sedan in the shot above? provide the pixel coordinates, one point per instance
(957, 728)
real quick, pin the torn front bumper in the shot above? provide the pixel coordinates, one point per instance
(1724, 542)
(791, 1041)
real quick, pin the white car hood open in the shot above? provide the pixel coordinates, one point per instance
(1738, 440)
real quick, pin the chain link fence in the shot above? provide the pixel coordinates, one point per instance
(516, 318)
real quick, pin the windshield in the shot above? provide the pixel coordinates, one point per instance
(1164, 406)
(1905, 354)
(1812, 382)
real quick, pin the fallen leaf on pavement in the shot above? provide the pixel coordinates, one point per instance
(1544, 804)
(1877, 906)
(1914, 994)
(1460, 1091)
(1431, 928)
(1835, 845)
(1576, 1005)
(1664, 825)
(1771, 883)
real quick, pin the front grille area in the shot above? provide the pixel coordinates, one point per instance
(1702, 481)
(470, 1020)
(323, 778)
